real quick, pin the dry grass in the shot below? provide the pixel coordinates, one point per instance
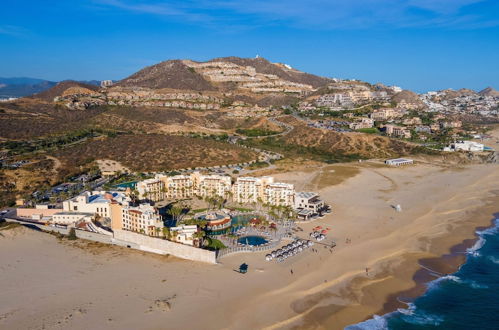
(333, 175)
(154, 152)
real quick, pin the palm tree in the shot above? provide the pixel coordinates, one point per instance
(259, 201)
(166, 232)
(176, 212)
(198, 236)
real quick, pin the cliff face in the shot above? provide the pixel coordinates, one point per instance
(226, 74)
(280, 70)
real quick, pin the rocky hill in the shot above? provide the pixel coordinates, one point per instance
(489, 91)
(282, 71)
(227, 74)
(61, 89)
(168, 74)
(409, 98)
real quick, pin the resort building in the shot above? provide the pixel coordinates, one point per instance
(151, 189)
(399, 162)
(178, 186)
(397, 131)
(363, 122)
(185, 234)
(143, 219)
(211, 185)
(383, 114)
(279, 194)
(95, 202)
(249, 190)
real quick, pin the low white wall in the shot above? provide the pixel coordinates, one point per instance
(161, 246)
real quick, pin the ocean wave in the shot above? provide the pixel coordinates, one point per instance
(419, 317)
(473, 251)
(435, 284)
(376, 323)
(490, 231)
(494, 230)
(410, 315)
(494, 260)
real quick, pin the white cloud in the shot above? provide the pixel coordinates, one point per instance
(12, 30)
(316, 14)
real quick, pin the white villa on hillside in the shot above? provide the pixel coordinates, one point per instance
(466, 146)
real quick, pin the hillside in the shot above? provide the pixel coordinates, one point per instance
(262, 65)
(60, 88)
(152, 152)
(489, 91)
(408, 97)
(168, 74)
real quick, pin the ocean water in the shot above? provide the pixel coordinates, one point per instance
(467, 299)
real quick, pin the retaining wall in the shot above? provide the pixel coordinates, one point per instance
(161, 246)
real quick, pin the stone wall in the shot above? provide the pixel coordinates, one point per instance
(162, 246)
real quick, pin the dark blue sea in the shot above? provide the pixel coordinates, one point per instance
(467, 299)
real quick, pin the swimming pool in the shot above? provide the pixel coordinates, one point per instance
(252, 240)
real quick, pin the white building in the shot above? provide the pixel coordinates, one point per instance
(106, 83)
(70, 218)
(308, 201)
(466, 146)
(399, 162)
(184, 234)
(95, 202)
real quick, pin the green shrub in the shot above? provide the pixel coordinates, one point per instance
(72, 234)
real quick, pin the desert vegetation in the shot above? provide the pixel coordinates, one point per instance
(153, 152)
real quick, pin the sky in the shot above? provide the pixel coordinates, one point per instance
(416, 44)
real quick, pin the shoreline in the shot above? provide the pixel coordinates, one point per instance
(431, 269)
(426, 269)
(400, 277)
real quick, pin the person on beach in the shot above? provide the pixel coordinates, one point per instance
(291, 272)
(367, 271)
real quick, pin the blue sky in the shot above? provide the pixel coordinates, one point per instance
(417, 44)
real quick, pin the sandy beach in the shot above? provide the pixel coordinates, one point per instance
(47, 283)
